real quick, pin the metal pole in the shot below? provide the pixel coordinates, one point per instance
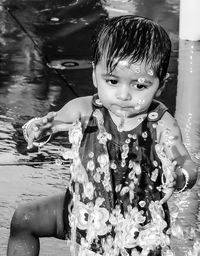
(189, 23)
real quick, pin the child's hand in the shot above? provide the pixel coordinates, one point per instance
(169, 184)
(169, 175)
(40, 128)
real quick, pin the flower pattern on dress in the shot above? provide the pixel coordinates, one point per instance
(154, 175)
(134, 220)
(88, 189)
(152, 235)
(91, 165)
(92, 218)
(103, 161)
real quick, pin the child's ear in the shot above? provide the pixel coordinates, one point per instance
(94, 76)
(160, 90)
(162, 85)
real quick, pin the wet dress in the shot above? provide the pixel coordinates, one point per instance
(116, 203)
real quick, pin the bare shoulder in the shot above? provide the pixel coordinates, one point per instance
(169, 133)
(78, 108)
(169, 123)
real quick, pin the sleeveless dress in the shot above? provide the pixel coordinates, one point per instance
(117, 209)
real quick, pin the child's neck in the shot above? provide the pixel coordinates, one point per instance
(127, 124)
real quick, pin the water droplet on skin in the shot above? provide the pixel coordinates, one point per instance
(122, 121)
(141, 101)
(136, 69)
(150, 72)
(137, 107)
(141, 80)
(54, 19)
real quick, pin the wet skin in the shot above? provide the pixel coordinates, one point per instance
(128, 90)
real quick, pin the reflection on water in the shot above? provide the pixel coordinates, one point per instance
(59, 32)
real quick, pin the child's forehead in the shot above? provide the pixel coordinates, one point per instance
(138, 67)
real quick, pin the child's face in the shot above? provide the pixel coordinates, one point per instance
(128, 90)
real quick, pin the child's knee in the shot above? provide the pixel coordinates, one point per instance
(20, 220)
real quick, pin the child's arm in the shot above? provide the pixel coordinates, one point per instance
(76, 109)
(53, 122)
(169, 136)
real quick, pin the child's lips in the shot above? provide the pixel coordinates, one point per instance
(125, 108)
(122, 110)
(122, 105)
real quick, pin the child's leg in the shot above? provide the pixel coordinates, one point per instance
(42, 218)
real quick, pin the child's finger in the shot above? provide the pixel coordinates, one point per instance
(171, 184)
(167, 196)
(37, 125)
(36, 128)
(44, 120)
(48, 119)
(44, 129)
(30, 140)
(50, 116)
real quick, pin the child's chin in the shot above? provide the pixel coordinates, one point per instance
(122, 113)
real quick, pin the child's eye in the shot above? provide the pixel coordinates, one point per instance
(112, 82)
(140, 86)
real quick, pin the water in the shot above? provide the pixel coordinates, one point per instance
(59, 32)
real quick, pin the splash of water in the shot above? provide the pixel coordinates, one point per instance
(120, 127)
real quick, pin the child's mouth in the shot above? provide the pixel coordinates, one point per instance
(124, 111)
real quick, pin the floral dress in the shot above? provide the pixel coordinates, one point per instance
(116, 187)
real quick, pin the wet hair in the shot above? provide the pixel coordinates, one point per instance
(135, 38)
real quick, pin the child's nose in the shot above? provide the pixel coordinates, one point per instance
(124, 93)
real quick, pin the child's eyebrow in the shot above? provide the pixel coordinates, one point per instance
(146, 81)
(107, 75)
